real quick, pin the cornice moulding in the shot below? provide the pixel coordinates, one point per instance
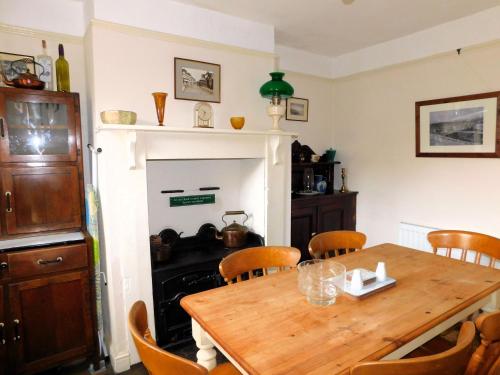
(40, 34)
(137, 31)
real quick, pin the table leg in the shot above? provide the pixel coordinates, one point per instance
(206, 354)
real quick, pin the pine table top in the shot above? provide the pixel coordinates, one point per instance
(268, 327)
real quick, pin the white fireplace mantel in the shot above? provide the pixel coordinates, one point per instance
(124, 201)
(132, 130)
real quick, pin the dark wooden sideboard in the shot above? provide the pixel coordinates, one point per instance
(321, 213)
(47, 296)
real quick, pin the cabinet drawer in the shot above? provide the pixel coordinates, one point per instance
(48, 260)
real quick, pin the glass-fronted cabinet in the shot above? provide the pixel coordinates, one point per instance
(37, 127)
(41, 171)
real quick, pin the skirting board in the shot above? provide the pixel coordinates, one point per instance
(120, 363)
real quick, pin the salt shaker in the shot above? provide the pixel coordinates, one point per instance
(381, 272)
(356, 281)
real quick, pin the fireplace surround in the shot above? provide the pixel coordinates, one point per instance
(123, 190)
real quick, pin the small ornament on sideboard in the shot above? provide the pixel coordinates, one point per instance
(343, 188)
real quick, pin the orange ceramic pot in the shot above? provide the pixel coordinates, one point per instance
(237, 122)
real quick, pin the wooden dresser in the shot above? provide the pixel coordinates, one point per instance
(319, 213)
(47, 298)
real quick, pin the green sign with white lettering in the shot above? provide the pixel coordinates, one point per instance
(192, 200)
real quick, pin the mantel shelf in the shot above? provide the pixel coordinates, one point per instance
(274, 137)
(170, 129)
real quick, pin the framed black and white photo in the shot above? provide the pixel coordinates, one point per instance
(197, 80)
(297, 109)
(12, 64)
(462, 126)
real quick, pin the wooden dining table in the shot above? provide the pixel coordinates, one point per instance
(266, 326)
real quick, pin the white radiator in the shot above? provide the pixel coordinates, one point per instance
(415, 236)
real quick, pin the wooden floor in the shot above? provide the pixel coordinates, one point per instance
(83, 369)
(187, 351)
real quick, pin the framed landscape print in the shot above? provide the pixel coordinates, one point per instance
(297, 109)
(197, 80)
(462, 126)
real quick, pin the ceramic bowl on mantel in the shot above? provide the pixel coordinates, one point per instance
(237, 122)
(119, 117)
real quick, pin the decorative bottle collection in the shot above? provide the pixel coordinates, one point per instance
(46, 75)
(62, 71)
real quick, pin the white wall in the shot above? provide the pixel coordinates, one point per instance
(317, 131)
(59, 16)
(72, 17)
(180, 19)
(231, 176)
(374, 134)
(30, 43)
(129, 64)
(299, 61)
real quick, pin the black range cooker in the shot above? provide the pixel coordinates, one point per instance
(192, 267)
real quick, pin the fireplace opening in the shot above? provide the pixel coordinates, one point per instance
(186, 202)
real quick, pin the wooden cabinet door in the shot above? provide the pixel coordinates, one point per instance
(303, 227)
(51, 320)
(330, 217)
(3, 335)
(41, 199)
(38, 127)
(339, 214)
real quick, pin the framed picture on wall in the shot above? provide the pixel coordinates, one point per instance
(197, 80)
(297, 109)
(12, 64)
(463, 126)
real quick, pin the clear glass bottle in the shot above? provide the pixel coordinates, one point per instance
(62, 71)
(45, 74)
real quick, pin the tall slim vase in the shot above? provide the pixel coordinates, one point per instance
(160, 98)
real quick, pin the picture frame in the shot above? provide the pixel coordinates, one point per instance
(197, 80)
(11, 67)
(297, 109)
(460, 127)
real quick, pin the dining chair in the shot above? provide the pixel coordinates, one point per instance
(481, 244)
(326, 244)
(451, 362)
(255, 261)
(495, 369)
(486, 359)
(158, 361)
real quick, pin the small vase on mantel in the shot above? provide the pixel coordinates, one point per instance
(160, 98)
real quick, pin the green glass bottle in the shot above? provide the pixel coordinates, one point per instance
(62, 71)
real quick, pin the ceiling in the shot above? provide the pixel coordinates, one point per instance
(335, 27)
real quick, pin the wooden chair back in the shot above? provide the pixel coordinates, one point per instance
(481, 244)
(156, 360)
(451, 362)
(251, 262)
(326, 244)
(495, 369)
(487, 353)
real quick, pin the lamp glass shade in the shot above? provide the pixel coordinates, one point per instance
(276, 87)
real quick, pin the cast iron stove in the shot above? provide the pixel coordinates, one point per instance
(192, 267)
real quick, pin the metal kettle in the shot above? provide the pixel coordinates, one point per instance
(26, 80)
(233, 235)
